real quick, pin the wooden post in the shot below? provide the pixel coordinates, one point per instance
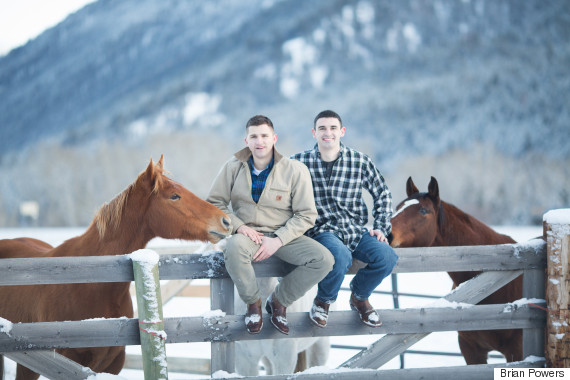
(149, 306)
(533, 288)
(222, 297)
(557, 232)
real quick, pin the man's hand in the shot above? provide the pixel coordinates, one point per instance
(250, 233)
(268, 247)
(379, 235)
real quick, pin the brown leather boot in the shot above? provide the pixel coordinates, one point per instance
(367, 313)
(319, 313)
(278, 314)
(253, 318)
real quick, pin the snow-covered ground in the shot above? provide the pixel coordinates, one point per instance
(424, 283)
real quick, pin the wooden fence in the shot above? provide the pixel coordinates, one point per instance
(29, 343)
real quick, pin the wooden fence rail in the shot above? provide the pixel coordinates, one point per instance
(60, 270)
(124, 331)
(500, 264)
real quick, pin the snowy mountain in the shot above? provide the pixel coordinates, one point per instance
(473, 92)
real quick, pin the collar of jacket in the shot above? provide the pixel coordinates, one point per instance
(244, 155)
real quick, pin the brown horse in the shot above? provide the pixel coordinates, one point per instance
(424, 220)
(152, 206)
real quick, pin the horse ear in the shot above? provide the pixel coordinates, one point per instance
(160, 162)
(411, 188)
(150, 171)
(433, 189)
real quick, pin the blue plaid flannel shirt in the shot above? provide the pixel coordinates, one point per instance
(258, 181)
(339, 201)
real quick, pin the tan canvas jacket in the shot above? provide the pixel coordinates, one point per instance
(286, 206)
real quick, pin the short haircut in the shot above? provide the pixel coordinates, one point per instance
(327, 113)
(258, 120)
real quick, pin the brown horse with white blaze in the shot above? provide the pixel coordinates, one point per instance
(424, 220)
(152, 206)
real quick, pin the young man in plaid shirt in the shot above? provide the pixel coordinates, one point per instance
(339, 175)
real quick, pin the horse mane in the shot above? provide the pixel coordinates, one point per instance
(470, 222)
(110, 214)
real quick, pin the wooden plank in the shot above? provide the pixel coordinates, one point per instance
(533, 288)
(106, 332)
(223, 350)
(199, 366)
(392, 345)
(411, 260)
(471, 258)
(558, 294)
(47, 270)
(50, 364)
(468, 372)
(33, 271)
(88, 333)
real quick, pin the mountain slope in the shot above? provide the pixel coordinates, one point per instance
(410, 78)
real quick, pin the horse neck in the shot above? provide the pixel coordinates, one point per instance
(459, 228)
(129, 236)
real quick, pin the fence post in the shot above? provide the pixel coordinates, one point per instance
(149, 307)
(533, 287)
(222, 297)
(557, 232)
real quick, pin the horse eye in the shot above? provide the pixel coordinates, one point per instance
(424, 211)
(175, 197)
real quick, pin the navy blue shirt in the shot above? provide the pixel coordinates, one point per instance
(258, 181)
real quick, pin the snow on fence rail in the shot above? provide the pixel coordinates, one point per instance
(501, 264)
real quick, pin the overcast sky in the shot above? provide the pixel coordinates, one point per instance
(22, 20)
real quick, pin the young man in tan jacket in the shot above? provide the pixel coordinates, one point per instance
(272, 205)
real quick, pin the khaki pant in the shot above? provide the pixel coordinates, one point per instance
(312, 259)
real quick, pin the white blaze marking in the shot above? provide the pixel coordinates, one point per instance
(407, 204)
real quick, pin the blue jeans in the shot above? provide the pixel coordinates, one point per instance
(379, 256)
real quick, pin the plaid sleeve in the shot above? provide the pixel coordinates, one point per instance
(382, 210)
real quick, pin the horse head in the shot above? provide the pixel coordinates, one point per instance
(417, 219)
(173, 212)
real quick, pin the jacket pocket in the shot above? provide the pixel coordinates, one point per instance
(279, 198)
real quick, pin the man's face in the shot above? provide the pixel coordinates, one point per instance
(260, 139)
(328, 132)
